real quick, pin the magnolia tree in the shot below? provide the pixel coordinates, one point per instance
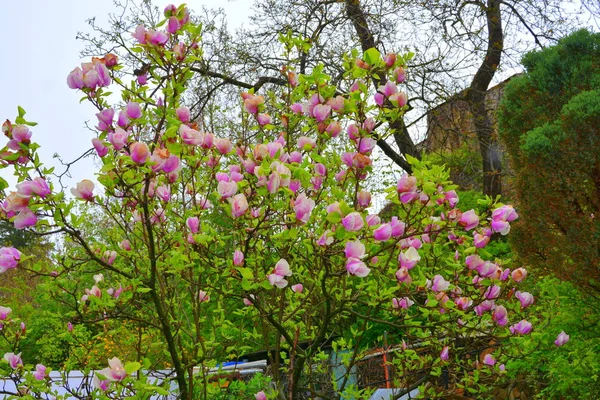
(219, 248)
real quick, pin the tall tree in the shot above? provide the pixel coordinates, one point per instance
(549, 123)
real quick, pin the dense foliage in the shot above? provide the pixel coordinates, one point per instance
(549, 122)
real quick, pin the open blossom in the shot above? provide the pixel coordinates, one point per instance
(519, 274)
(14, 360)
(252, 102)
(561, 339)
(297, 288)
(409, 258)
(525, 298)
(4, 311)
(356, 267)
(303, 206)
(282, 268)
(500, 315)
(139, 152)
(9, 258)
(501, 219)
(203, 296)
(239, 205)
(227, 189)
(40, 372)
(522, 328)
(277, 281)
(353, 222)
(492, 292)
(403, 302)
(439, 284)
(469, 220)
(355, 249)
(383, 233)
(260, 396)
(489, 360)
(114, 373)
(38, 186)
(84, 190)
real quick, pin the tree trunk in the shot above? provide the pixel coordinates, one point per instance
(488, 140)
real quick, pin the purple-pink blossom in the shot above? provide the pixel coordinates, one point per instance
(84, 190)
(522, 328)
(353, 222)
(561, 339)
(356, 267)
(9, 258)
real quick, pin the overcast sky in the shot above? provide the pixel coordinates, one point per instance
(38, 49)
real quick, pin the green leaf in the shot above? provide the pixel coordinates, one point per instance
(21, 111)
(131, 367)
(372, 56)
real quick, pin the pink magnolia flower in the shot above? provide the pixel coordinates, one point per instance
(118, 138)
(282, 268)
(252, 102)
(383, 233)
(297, 288)
(474, 261)
(14, 360)
(521, 328)
(75, 79)
(84, 190)
(356, 267)
(263, 119)
(4, 311)
(479, 240)
(306, 143)
(114, 373)
(487, 269)
(409, 258)
(398, 228)
(25, 219)
(139, 152)
(40, 372)
(183, 114)
(227, 189)
(303, 206)
(469, 220)
(363, 198)
(100, 147)
(193, 223)
(403, 302)
(489, 360)
(355, 249)
(9, 258)
(406, 183)
(203, 297)
(500, 315)
(399, 74)
(445, 354)
(260, 396)
(321, 112)
(463, 303)
(326, 239)
(492, 292)
(488, 305)
(238, 258)
(439, 284)
(525, 298)
(561, 339)
(239, 205)
(334, 128)
(223, 146)
(277, 281)
(519, 274)
(353, 222)
(105, 118)
(403, 276)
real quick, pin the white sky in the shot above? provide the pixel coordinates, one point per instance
(38, 49)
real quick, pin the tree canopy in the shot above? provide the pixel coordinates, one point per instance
(549, 122)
